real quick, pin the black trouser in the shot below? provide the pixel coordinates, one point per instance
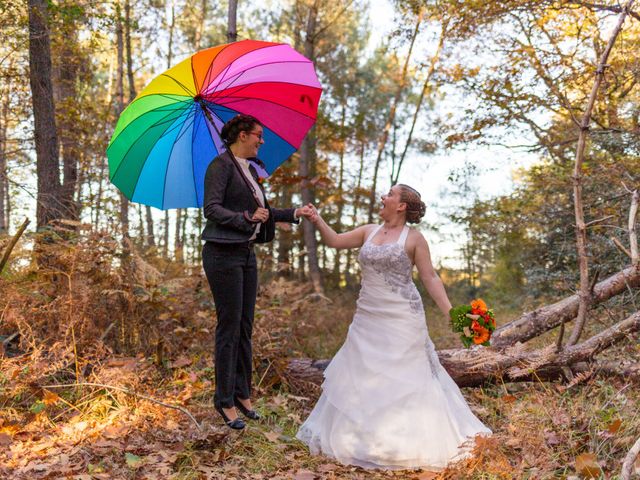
(233, 277)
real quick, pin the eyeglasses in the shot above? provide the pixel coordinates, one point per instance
(259, 135)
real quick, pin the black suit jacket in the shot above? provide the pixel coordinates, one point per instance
(229, 204)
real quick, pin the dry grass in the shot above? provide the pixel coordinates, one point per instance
(158, 342)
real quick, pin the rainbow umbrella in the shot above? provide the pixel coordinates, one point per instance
(166, 138)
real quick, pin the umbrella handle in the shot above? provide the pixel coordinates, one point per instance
(233, 158)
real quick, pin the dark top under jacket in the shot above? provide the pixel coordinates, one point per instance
(229, 205)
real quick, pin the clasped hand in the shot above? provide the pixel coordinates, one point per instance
(309, 212)
(260, 215)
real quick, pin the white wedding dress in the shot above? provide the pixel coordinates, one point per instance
(386, 401)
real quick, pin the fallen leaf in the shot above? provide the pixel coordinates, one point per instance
(426, 475)
(108, 444)
(614, 426)
(50, 398)
(113, 431)
(304, 475)
(181, 362)
(327, 467)
(587, 465)
(133, 461)
(5, 439)
(122, 362)
(508, 398)
(552, 438)
(272, 436)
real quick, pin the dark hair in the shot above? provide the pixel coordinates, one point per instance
(239, 123)
(415, 207)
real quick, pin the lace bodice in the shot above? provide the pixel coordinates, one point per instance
(389, 263)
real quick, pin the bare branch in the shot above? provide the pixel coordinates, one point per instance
(599, 220)
(609, 8)
(581, 234)
(620, 246)
(627, 464)
(633, 238)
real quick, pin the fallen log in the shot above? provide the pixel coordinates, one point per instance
(535, 323)
(479, 365)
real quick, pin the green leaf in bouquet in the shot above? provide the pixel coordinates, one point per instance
(466, 341)
(459, 318)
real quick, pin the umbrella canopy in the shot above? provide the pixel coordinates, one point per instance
(166, 138)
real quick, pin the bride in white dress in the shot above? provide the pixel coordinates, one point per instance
(386, 401)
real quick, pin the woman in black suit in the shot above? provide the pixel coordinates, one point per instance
(238, 216)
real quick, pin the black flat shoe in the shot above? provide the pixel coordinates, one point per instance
(252, 414)
(236, 424)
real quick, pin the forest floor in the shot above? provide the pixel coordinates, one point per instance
(79, 325)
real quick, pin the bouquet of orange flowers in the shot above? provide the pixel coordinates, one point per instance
(475, 322)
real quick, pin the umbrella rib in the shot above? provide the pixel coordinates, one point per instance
(180, 83)
(159, 122)
(164, 185)
(239, 74)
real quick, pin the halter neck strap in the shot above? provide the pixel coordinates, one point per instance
(403, 236)
(373, 233)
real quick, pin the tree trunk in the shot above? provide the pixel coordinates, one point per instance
(46, 140)
(200, 27)
(232, 31)
(285, 240)
(124, 201)
(341, 201)
(172, 23)
(307, 165)
(165, 235)
(179, 245)
(68, 118)
(356, 203)
(392, 116)
(4, 184)
(151, 238)
(127, 45)
(581, 229)
(141, 235)
(633, 237)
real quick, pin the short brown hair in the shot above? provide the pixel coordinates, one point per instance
(239, 123)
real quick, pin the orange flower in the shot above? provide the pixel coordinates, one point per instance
(478, 307)
(482, 335)
(475, 326)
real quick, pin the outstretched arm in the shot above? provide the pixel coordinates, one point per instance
(352, 239)
(429, 277)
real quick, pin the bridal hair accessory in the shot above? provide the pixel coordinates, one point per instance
(474, 322)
